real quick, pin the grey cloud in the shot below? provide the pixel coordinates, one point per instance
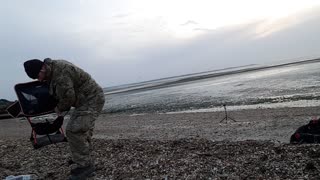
(189, 22)
(229, 47)
(122, 15)
(203, 29)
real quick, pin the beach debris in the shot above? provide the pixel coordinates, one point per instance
(22, 177)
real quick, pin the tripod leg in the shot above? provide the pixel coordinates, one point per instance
(225, 118)
(232, 119)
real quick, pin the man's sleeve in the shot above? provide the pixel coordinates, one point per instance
(65, 93)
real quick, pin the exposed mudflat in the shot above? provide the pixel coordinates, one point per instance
(288, 83)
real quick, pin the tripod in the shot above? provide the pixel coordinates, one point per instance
(226, 117)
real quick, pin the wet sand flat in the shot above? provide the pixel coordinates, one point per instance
(255, 124)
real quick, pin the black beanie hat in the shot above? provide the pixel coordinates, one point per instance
(33, 67)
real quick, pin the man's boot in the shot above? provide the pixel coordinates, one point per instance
(82, 173)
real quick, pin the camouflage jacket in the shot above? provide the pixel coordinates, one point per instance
(70, 85)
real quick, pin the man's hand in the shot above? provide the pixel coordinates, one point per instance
(57, 111)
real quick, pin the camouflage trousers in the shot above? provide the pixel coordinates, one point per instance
(79, 130)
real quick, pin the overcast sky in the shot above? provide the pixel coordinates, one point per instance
(127, 41)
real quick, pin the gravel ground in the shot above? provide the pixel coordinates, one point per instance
(176, 146)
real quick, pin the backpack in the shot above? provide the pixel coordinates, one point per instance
(309, 133)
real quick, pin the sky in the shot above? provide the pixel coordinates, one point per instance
(129, 41)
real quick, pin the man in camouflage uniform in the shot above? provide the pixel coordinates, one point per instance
(72, 87)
